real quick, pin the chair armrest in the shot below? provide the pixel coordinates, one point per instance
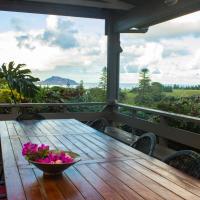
(120, 134)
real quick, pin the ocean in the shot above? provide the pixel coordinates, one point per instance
(93, 85)
(122, 85)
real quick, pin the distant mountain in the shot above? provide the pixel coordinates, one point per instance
(56, 80)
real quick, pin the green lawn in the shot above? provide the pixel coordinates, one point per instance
(183, 93)
(130, 96)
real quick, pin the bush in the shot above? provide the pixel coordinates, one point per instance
(183, 105)
(58, 94)
(95, 95)
(5, 96)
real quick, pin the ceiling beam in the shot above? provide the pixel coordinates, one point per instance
(106, 4)
(53, 9)
(153, 13)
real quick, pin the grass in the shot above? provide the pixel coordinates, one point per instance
(183, 93)
(130, 96)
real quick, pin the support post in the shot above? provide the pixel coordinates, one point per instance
(113, 61)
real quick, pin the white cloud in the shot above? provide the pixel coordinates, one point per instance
(89, 54)
(152, 54)
(52, 22)
(191, 18)
(173, 48)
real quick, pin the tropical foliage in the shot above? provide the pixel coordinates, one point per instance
(6, 96)
(18, 78)
(18, 85)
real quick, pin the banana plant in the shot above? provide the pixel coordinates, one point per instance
(19, 78)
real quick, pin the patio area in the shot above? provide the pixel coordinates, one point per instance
(109, 167)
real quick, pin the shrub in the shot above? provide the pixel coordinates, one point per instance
(5, 96)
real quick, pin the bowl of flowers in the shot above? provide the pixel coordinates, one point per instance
(51, 162)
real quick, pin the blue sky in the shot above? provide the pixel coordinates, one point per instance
(76, 48)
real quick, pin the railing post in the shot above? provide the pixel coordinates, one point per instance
(65, 110)
(110, 108)
(163, 141)
(134, 116)
(14, 110)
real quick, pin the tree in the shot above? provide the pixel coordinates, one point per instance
(80, 89)
(157, 91)
(145, 81)
(3, 84)
(5, 96)
(18, 78)
(80, 86)
(103, 79)
(144, 97)
(149, 92)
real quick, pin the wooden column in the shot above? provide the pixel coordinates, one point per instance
(113, 61)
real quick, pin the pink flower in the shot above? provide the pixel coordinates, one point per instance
(24, 151)
(43, 147)
(29, 148)
(42, 154)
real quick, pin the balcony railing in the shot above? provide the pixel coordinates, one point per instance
(117, 113)
(55, 110)
(160, 125)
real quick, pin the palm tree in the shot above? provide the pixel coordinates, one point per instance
(18, 78)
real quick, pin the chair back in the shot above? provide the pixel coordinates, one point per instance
(185, 160)
(29, 116)
(146, 143)
(99, 124)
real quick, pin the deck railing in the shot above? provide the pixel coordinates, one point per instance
(160, 125)
(115, 112)
(80, 111)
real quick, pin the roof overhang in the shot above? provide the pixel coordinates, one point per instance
(53, 9)
(125, 14)
(153, 13)
(104, 4)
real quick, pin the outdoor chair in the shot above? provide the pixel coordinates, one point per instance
(185, 160)
(145, 143)
(29, 116)
(99, 124)
(103, 125)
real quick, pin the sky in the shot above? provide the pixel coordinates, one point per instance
(75, 48)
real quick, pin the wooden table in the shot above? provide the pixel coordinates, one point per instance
(108, 170)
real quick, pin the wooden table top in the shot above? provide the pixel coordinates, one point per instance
(109, 169)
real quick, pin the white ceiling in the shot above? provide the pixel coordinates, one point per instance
(111, 4)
